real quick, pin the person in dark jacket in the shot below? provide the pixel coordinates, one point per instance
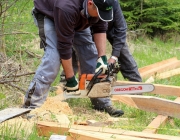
(57, 21)
(116, 35)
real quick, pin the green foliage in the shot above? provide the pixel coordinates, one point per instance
(156, 17)
(131, 10)
(2, 96)
(18, 27)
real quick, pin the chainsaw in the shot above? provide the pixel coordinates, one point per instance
(104, 85)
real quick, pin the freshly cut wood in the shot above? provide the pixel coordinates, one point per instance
(159, 88)
(160, 120)
(151, 104)
(91, 121)
(90, 135)
(168, 74)
(119, 119)
(153, 69)
(47, 128)
(150, 80)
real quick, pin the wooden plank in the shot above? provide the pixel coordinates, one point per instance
(151, 104)
(150, 80)
(160, 120)
(84, 135)
(90, 135)
(47, 128)
(159, 88)
(168, 74)
(157, 68)
(166, 90)
(9, 113)
(157, 64)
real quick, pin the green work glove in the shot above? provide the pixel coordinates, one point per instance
(72, 86)
(101, 63)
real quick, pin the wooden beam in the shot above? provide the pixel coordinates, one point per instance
(47, 128)
(166, 90)
(90, 135)
(151, 66)
(160, 120)
(151, 104)
(168, 74)
(159, 88)
(153, 69)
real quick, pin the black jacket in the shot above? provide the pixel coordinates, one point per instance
(116, 33)
(68, 17)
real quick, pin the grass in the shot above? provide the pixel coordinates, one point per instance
(18, 132)
(145, 52)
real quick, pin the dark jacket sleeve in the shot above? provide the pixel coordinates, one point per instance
(64, 25)
(99, 27)
(116, 33)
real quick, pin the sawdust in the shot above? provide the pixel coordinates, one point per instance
(54, 106)
(51, 108)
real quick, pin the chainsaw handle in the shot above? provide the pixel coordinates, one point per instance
(91, 83)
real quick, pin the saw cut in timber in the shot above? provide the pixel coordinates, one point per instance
(153, 69)
(151, 104)
(47, 128)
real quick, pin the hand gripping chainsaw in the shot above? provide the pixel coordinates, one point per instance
(103, 85)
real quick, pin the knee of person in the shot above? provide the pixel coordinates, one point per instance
(47, 79)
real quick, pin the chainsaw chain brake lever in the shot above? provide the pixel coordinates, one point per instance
(108, 73)
(111, 69)
(94, 79)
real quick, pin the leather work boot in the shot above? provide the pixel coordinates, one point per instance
(113, 112)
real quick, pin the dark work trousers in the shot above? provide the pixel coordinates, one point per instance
(50, 63)
(128, 66)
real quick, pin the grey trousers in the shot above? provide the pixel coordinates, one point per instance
(50, 63)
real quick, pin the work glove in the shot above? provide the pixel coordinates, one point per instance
(101, 63)
(72, 86)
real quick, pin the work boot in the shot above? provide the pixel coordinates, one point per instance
(111, 111)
